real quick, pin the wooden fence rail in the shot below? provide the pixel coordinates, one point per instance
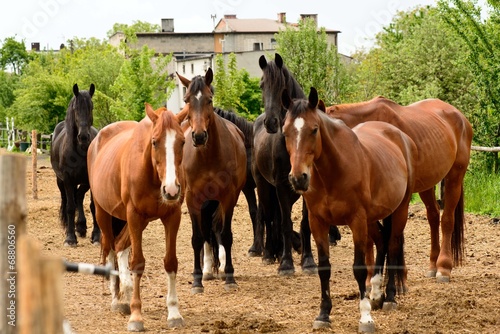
(485, 149)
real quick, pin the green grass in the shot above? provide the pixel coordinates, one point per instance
(482, 193)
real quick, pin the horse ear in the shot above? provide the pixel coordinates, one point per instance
(321, 105)
(286, 101)
(278, 60)
(209, 76)
(181, 116)
(92, 90)
(184, 81)
(262, 62)
(313, 98)
(150, 112)
(76, 91)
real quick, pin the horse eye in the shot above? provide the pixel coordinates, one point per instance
(315, 131)
(153, 141)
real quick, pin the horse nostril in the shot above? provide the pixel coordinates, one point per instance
(304, 177)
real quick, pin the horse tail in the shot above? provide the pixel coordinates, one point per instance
(457, 238)
(398, 260)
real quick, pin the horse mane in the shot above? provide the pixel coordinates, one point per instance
(358, 105)
(274, 76)
(299, 107)
(241, 122)
(197, 84)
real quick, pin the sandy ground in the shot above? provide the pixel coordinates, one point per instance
(265, 302)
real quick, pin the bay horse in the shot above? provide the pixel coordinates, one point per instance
(68, 157)
(215, 165)
(352, 177)
(443, 137)
(246, 127)
(271, 167)
(136, 177)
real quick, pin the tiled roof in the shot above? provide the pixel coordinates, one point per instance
(226, 25)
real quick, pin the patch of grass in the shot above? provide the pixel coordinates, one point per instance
(482, 193)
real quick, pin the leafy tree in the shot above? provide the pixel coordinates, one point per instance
(483, 58)
(235, 89)
(13, 54)
(8, 83)
(136, 26)
(139, 81)
(312, 60)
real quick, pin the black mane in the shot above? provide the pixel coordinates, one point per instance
(241, 122)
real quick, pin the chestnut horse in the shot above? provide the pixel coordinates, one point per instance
(351, 177)
(215, 165)
(68, 156)
(443, 137)
(136, 177)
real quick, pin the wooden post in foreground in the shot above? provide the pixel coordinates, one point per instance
(40, 290)
(12, 225)
(33, 163)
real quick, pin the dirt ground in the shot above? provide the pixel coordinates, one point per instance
(265, 302)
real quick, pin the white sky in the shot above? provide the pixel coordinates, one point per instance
(52, 22)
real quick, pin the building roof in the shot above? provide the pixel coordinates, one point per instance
(235, 25)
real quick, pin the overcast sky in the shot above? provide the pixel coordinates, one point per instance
(52, 22)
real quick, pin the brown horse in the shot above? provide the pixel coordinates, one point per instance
(443, 137)
(136, 177)
(215, 165)
(351, 177)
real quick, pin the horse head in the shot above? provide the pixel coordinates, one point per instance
(167, 142)
(200, 112)
(275, 79)
(81, 108)
(302, 137)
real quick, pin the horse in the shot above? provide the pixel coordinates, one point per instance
(68, 157)
(215, 165)
(246, 127)
(443, 137)
(136, 177)
(271, 167)
(352, 177)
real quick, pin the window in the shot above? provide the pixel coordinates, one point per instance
(183, 69)
(273, 43)
(257, 46)
(192, 68)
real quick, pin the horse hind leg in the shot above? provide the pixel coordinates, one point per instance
(96, 231)
(428, 197)
(123, 290)
(70, 215)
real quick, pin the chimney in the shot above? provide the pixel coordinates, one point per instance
(230, 16)
(35, 46)
(314, 17)
(167, 25)
(282, 17)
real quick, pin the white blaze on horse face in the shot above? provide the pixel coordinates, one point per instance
(299, 124)
(170, 177)
(198, 95)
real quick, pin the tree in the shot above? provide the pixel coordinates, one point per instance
(234, 89)
(313, 62)
(483, 58)
(13, 54)
(135, 27)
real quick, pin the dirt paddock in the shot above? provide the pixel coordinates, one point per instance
(265, 302)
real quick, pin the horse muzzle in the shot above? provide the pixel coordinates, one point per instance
(171, 193)
(199, 138)
(299, 183)
(271, 124)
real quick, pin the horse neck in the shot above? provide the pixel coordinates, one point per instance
(144, 148)
(377, 109)
(70, 123)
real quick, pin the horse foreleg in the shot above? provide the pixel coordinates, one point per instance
(320, 234)
(96, 231)
(70, 215)
(197, 244)
(81, 222)
(286, 200)
(227, 243)
(375, 268)
(137, 264)
(428, 197)
(170, 263)
(258, 231)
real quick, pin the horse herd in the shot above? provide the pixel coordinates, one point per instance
(353, 164)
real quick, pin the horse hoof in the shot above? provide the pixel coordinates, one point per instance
(431, 273)
(268, 261)
(175, 323)
(440, 278)
(70, 243)
(96, 243)
(197, 290)
(135, 326)
(230, 287)
(389, 306)
(368, 327)
(252, 253)
(317, 324)
(286, 272)
(208, 277)
(122, 308)
(377, 304)
(310, 270)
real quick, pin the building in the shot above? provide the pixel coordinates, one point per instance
(193, 53)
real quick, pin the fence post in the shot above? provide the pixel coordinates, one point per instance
(12, 225)
(34, 163)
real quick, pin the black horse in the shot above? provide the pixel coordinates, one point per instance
(68, 156)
